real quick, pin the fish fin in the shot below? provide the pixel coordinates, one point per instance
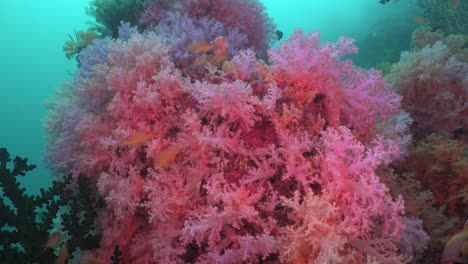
(453, 247)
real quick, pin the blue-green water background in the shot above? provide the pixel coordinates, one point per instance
(32, 63)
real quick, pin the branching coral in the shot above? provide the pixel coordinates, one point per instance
(110, 13)
(28, 220)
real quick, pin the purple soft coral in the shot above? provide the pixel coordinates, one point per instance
(246, 17)
(180, 32)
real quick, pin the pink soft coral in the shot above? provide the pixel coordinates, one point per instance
(328, 88)
(249, 157)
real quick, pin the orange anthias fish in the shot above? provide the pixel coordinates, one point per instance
(219, 48)
(419, 20)
(166, 156)
(455, 245)
(63, 255)
(220, 45)
(137, 138)
(201, 46)
(220, 57)
(53, 240)
(452, 4)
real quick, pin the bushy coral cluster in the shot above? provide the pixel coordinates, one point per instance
(441, 165)
(244, 161)
(27, 221)
(245, 20)
(434, 86)
(432, 79)
(457, 44)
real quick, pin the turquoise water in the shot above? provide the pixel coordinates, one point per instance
(33, 64)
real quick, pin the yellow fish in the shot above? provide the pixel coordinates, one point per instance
(137, 138)
(165, 157)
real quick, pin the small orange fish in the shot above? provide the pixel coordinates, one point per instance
(454, 246)
(220, 45)
(220, 49)
(220, 57)
(54, 238)
(63, 255)
(166, 156)
(137, 138)
(201, 46)
(452, 4)
(419, 20)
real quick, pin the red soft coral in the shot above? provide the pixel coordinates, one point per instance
(324, 86)
(434, 87)
(221, 170)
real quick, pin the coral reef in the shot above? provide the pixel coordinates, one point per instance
(456, 44)
(434, 87)
(247, 17)
(219, 166)
(440, 164)
(180, 32)
(183, 138)
(435, 189)
(424, 36)
(432, 80)
(420, 203)
(283, 155)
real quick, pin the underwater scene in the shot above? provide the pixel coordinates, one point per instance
(234, 131)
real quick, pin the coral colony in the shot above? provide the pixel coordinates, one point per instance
(194, 143)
